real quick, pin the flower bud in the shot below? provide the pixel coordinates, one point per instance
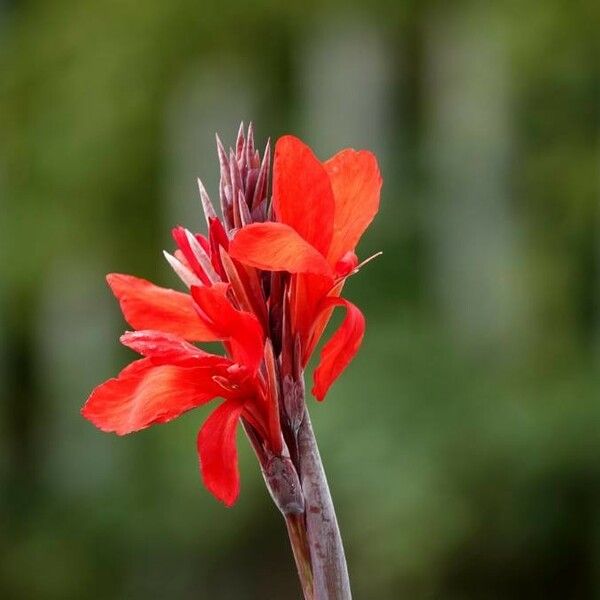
(293, 401)
(284, 485)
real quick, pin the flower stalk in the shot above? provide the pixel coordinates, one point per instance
(301, 493)
(296, 527)
(330, 572)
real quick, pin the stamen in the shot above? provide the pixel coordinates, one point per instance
(364, 262)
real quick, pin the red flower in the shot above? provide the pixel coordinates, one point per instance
(268, 322)
(175, 376)
(322, 210)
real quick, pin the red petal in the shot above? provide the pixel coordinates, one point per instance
(147, 306)
(302, 193)
(167, 349)
(276, 247)
(182, 241)
(240, 328)
(319, 318)
(340, 349)
(218, 452)
(308, 293)
(356, 182)
(217, 238)
(144, 394)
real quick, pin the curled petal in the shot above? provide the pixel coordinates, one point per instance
(147, 306)
(168, 349)
(302, 193)
(356, 182)
(144, 394)
(217, 451)
(340, 349)
(240, 328)
(277, 247)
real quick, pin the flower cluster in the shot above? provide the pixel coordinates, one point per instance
(264, 281)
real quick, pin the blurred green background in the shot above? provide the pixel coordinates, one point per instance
(463, 444)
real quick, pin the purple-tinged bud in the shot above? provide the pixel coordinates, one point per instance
(250, 151)
(293, 401)
(259, 212)
(209, 210)
(242, 210)
(240, 142)
(250, 185)
(261, 188)
(224, 166)
(235, 175)
(283, 484)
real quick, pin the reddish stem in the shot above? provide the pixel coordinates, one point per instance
(330, 573)
(297, 533)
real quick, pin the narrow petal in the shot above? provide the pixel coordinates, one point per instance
(277, 247)
(217, 238)
(307, 294)
(168, 349)
(144, 394)
(302, 193)
(240, 328)
(340, 349)
(217, 450)
(319, 318)
(356, 183)
(147, 306)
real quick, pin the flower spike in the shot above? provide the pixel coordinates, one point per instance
(264, 282)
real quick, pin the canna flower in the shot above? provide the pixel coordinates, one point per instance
(263, 281)
(320, 212)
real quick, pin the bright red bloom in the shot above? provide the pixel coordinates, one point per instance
(176, 376)
(321, 211)
(267, 321)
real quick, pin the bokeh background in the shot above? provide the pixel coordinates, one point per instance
(463, 444)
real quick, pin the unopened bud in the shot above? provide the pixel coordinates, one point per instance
(284, 485)
(293, 401)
